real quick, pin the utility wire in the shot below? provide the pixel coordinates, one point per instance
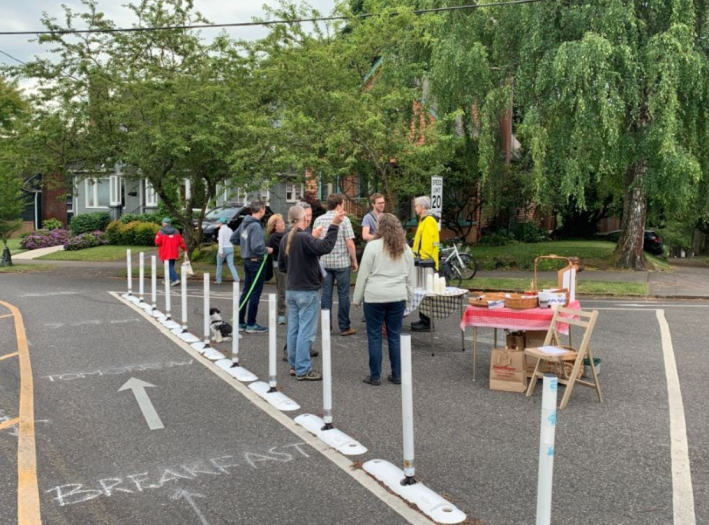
(13, 58)
(263, 23)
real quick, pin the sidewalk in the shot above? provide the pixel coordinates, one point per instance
(33, 254)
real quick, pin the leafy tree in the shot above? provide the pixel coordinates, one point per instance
(610, 94)
(160, 105)
(350, 103)
(12, 200)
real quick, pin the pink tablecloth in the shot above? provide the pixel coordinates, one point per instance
(509, 319)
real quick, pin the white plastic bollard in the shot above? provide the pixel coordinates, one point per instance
(154, 282)
(141, 277)
(206, 311)
(129, 265)
(167, 290)
(326, 371)
(546, 449)
(407, 410)
(183, 290)
(272, 379)
(235, 329)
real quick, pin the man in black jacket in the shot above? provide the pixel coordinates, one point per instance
(299, 253)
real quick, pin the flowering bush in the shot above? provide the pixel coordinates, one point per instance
(86, 240)
(45, 239)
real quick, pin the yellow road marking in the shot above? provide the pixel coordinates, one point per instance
(13, 354)
(9, 423)
(4, 316)
(28, 512)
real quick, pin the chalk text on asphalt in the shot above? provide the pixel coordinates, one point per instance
(114, 371)
(73, 493)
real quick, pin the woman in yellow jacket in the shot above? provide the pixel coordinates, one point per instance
(425, 247)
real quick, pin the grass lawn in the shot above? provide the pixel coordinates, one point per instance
(26, 268)
(594, 255)
(583, 288)
(106, 253)
(14, 245)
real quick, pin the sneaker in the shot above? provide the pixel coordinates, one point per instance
(395, 380)
(292, 371)
(349, 331)
(242, 327)
(370, 381)
(217, 282)
(314, 353)
(312, 375)
(175, 283)
(281, 319)
(256, 329)
(420, 328)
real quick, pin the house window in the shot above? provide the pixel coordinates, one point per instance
(294, 192)
(114, 192)
(151, 197)
(97, 193)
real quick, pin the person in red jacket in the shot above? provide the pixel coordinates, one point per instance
(169, 241)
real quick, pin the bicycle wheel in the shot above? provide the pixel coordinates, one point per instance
(470, 267)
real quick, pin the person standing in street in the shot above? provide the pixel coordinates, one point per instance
(275, 229)
(298, 258)
(386, 283)
(369, 223)
(338, 264)
(254, 252)
(226, 252)
(426, 244)
(169, 241)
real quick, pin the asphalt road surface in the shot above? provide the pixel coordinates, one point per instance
(217, 456)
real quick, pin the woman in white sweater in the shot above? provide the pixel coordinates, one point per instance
(386, 284)
(226, 251)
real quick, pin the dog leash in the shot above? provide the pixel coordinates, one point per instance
(258, 274)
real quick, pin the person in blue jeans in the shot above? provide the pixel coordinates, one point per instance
(386, 285)
(226, 252)
(338, 264)
(254, 251)
(298, 258)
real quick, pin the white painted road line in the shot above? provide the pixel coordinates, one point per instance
(682, 493)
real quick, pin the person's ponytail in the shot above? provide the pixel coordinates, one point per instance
(295, 214)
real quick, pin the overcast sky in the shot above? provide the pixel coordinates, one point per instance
(25, 15)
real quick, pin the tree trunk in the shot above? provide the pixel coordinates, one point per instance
(629, 252)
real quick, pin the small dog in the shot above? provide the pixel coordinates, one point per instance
(221, 330)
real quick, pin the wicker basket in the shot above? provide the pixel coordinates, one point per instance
(517, 301)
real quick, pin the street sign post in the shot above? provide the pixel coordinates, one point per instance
(437, 197)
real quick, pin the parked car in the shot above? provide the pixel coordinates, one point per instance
(234, 212)
(652, 242)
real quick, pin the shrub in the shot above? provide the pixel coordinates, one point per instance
(52, 224)
(86, 240)
(154, 218)
(498, 238)
(89, 222)
(134, 233)
(44, 239)
(530, 232)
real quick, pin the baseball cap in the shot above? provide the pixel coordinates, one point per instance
(168, 220)
(222, 220)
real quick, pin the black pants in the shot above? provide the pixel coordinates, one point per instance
(424, 319)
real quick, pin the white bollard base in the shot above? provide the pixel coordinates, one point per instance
(213, 354)
(430, 503)
(170, 324)
(133, 299)
(237, 372)
(277, 399)
(333, 437)
(199, 346)
(145, 306)
(188, 337)
(157, 314)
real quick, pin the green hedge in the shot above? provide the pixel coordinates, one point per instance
(89, 222)
(134, 233)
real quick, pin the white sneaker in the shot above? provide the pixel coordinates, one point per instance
(175, 283)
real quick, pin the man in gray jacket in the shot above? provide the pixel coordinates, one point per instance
(253, 251)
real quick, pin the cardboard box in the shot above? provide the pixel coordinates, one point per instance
(516, 341)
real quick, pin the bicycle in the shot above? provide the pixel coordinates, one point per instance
(455, 265)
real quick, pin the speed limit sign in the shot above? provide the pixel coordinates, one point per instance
(437, 197)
